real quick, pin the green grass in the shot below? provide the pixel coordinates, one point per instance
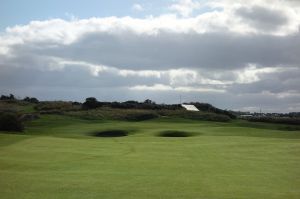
(57, 158)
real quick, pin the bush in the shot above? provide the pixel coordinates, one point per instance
(31, 100)
(91, 103)
(10, 122)
(8, 97)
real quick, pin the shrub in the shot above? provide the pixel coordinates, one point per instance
(91, 103)
(31, 100)
(10, 122)
(8, 97)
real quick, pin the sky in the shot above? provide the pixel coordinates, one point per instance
(234, 54)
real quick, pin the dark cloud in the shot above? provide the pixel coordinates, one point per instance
(168, 50)
(278, 82)
(69, 76)
(262, 18)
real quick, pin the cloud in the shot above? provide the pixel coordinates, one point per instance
(168, 50)
(185, 7)
(137, 7)
(162, 87)
(262, 18)
(155, 87)
(234, 55)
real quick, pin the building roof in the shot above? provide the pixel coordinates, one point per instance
(189, 107)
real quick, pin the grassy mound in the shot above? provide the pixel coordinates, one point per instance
(172, 133)
(111, 133)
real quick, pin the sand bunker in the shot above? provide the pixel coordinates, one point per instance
(172, 133)
(111, 133)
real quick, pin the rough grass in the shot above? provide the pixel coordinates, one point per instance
(105, 113)
(57, 159)
(16, 106)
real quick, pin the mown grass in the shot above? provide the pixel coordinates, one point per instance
(55, 157)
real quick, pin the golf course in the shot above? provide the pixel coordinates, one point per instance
(59, 156)
(169, 99)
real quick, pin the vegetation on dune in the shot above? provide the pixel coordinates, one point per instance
(207, 116)
(91, 103)
(106, 113)
(146, 105)
(140, 116)
(7, 97)
(31, 100)
(29, 108)
(128, 111)
(10, 122)
(202, 116)
(205, 107)
(280, 120)
(56, 107)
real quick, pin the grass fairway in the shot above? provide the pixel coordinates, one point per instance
(58, 158)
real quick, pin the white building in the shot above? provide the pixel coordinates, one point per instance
(189, 107)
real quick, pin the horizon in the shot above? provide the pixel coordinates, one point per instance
(231, 54)
(260, 111)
